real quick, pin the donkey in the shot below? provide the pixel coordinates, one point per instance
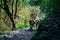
(31, 23)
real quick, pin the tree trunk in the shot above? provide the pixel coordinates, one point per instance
(6, 8)
(12, 6)
(11, 18)
(15, 9)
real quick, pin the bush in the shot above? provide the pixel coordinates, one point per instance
(20, 25)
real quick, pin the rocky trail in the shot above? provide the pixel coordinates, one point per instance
(20, 34)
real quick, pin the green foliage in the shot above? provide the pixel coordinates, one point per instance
(48, 5)
(22, 16)
(35, 2)
(20, 25)
(1, 32)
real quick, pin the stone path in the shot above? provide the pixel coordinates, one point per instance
(20, 34)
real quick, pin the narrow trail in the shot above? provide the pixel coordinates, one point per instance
(20, 34)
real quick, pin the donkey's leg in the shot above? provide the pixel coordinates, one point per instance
(31, 27)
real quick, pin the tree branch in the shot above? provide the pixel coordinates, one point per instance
(2, 7)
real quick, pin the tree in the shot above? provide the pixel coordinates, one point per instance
(6, 9)
(10, 8)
